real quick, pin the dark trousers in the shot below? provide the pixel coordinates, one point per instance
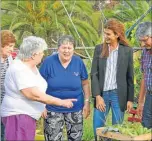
(147, 112)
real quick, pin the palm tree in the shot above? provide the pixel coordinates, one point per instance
(49, 19)
(129, 12)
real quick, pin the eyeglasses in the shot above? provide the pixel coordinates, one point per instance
(144, 39)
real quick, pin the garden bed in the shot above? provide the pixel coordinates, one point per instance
(119, 136)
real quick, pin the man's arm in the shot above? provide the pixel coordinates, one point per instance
(142, 92)
(141, 99)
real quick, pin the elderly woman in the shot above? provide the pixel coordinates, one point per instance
(67, 77)
(7, 45)
(25, 92)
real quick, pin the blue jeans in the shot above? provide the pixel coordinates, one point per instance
(2, 131)
(111, 101)
(147, 112)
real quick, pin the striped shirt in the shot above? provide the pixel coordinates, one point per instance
(3, 68)
(111, 70)
(146, 67)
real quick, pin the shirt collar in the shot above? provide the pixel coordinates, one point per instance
(114, 49)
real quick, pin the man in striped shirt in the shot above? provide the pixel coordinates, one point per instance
(144, 35)
(7, 45)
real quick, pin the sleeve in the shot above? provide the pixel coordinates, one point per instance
(141, 62)
(130, 77)
(95, 87)
(24, 79)
(43, 70)
(84, 73)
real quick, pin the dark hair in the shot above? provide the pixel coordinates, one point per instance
(66, 39)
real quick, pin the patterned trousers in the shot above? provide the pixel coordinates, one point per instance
(54, 124)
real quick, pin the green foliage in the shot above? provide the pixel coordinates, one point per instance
(128, 11)
(132, 129)
(48, 19)
(88, 127)
(137, 75)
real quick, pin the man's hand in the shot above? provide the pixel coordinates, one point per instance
(86, 109)
(100, 104)
(140, 110)
(129, 106)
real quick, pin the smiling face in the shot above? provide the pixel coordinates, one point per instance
(66, 51)
(146, 42)
(7, 49)
(110, 36)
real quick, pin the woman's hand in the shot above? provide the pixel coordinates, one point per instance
(100, 104)
(44, 114)
(86, 109)
(68, 103)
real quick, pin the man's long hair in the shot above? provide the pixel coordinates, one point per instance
(118, 28)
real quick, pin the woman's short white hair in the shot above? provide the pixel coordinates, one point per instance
(31, 45)
(144, 29)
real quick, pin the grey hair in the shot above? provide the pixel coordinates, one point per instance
(144, 29)
(31, 45)
(66, 39)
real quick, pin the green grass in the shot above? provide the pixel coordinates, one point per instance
(88, 127)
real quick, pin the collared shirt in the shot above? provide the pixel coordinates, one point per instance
(146, 67)
(3, 68)
(111, 70)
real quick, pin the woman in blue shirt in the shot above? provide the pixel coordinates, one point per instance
(67, 77)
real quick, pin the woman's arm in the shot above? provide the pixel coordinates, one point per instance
(35, 94)
(86, 90)
(95, 88)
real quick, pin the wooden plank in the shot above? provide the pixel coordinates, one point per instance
(143, 137)
(113, 135)
(119, 136)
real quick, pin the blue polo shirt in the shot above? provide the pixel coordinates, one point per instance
(64, 83)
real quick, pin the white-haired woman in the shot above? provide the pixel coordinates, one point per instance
(25, 92)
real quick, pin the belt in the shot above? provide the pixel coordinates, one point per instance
(149, 92)
(111, 90)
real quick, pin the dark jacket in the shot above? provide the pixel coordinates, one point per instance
(124, 76)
